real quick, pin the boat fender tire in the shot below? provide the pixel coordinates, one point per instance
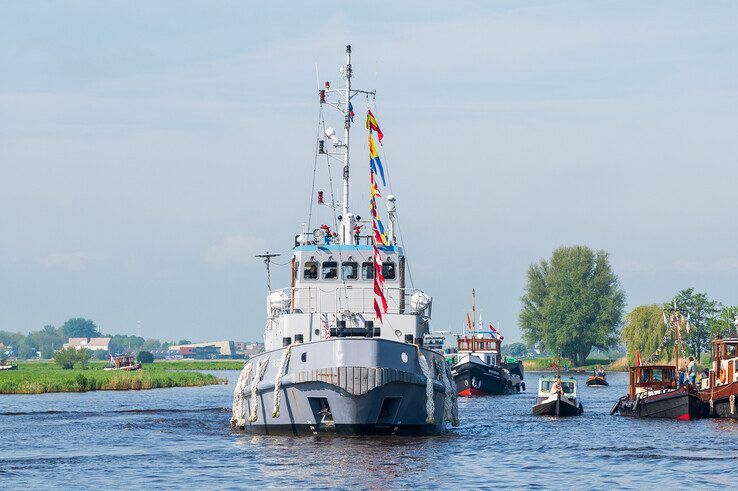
(581, 408)
(522, 385)
(615, 408)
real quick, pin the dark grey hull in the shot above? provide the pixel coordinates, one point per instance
(348, 387)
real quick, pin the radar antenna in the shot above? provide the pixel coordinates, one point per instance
(267, 256)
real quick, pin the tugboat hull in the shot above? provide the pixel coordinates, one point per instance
(473, 379)
(680, 404)
(345, 386)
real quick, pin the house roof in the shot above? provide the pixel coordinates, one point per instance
(89, 342)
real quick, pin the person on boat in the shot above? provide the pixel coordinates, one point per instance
(692, 371)
(556, 386)
(681, 377)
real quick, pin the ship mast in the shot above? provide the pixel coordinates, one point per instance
(346, 127)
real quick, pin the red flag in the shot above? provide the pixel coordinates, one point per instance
(638, 358)
(377, 310)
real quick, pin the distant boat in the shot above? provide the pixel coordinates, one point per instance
(122, 362)
(597, 380)
(4, 365)
(478, 368)
(557, 403)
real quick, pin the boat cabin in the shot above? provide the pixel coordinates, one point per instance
(568, 385)
(485, 348)
(648, 378)
(122, 362)
(724, 366)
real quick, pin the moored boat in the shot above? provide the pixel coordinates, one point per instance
(719, 389)
(654, 393)
(5, 365)
(125, 362)
(557, 397)
(344, 342)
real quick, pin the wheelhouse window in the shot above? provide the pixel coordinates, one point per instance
(311, 270)
(297, 269)
(330, 270)
(367, 271)
(568, 387)
(389, 270)
(349, 270)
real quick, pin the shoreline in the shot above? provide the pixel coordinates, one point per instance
(43, 378)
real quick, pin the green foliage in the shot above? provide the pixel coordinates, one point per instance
(124, 343)
(79, 328)
(40, 377)
(199, 364)
(151, 344)
(184, 341)
(572, 303)
(724, 322)
(644, 331)
(517, 350)
(145, 357)
(68, 357)
(702, 312)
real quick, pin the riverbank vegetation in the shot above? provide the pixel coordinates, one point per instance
(42, 377)
(199, 364)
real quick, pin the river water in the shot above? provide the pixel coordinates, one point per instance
(181, 437)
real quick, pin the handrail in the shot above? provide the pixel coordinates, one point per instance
(358, 300)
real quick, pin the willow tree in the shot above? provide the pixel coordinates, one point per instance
(644, 331)
(573, 303)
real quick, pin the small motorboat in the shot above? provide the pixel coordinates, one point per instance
(5, 365)
(597, 379)
(557, 397)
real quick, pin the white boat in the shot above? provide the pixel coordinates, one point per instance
(552, 402)
(344, 350)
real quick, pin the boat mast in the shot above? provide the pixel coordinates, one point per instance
(474, 316)
(346, 127)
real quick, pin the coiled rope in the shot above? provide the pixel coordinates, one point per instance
(278, 381)
(260, 369)
(430, 407)
(238, 416)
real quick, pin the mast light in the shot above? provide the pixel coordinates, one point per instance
(327, 84)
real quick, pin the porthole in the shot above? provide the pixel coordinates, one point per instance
(317, 332)
(403, 356)
(304, 357)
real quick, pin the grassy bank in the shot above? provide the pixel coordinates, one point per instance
(38, 378)
(544, 364)
(199, 364)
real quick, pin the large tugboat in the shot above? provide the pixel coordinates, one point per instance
(720, 388)
(344, 342)
(478, 368)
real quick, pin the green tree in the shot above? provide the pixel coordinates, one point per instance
(701, 311)
(151, 344)
(124, 343)
(644, 331)
(517, 350)
(79, 328)
(184, 341)
(572, 303)
(68, 357)
(725, 322)
(145, 357)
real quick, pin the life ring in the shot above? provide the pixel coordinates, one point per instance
(723, 376)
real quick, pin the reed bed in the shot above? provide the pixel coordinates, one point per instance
(39, 378)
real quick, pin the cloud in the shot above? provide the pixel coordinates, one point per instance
(236, 249)
(75, 261)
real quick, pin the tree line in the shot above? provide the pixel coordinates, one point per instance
(44, 342)
(573, 302)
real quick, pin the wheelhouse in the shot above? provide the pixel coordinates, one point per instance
(569, 386)
(724, 368)
(486, 348)
(648, 378)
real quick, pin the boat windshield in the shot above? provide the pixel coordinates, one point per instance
(658, 375)
(568, 387)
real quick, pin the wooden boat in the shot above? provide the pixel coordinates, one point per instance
(653, 393)
(557, 403)
(4, 365)
(123, 362)
(597, 380)
(719, 390)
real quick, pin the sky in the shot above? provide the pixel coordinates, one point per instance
(149, 149)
